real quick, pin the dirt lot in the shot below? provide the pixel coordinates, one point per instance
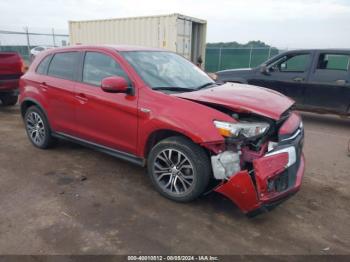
(48, 207)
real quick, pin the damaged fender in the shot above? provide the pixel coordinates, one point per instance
(240, 189)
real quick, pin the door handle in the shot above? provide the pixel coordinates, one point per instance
(341, 82)
(43, 86)
(81, 98)
(298, 79)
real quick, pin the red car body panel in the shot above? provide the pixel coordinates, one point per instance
(171, 113)
(11, 68)
(77, 109)
(96, 108)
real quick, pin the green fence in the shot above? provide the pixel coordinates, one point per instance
(228, 58)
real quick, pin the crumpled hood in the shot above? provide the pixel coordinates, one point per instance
(240, 97)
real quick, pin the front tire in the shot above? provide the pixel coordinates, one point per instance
(38, 129)
(179, 169)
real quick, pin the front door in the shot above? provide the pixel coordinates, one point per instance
(288, 75)
(107, 119)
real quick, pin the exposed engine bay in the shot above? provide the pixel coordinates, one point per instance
(241, 151)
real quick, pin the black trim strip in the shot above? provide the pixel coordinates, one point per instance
(10, 77)
(113, 152)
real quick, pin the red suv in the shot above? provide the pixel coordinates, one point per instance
(156, 109)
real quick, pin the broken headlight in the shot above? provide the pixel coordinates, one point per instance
(241, 129)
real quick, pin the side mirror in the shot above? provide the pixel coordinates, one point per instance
(115, 84)
(264, 69)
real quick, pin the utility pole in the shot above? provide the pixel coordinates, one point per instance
(53, 37)
(219, 63)
(250, 56)
(28, 40)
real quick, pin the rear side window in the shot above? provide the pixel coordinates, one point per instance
(333, 62)
(98, 66)
(42, 67)
(64, 65)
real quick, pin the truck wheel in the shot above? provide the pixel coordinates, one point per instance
(9, 100)
(37, 127)
(179, 169)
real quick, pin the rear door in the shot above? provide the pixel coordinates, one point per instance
(59, 89)
(329, 83)
(287, 75)
(108, 119)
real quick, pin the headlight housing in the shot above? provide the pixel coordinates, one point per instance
(241, 129)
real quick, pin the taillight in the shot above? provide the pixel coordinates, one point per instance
(23, 66)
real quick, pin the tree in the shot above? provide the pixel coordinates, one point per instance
(250, 44)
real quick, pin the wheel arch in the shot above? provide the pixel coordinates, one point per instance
(158, 135)
(27, 103)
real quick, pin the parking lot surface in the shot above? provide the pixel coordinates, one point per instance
(74, 200)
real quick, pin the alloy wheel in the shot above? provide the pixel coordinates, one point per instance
(36, 128)
(173, 172)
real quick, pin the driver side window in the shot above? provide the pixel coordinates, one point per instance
(292, 63)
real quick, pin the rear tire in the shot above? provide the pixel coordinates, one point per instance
(38, 129)
(9, 100)
(179, 169)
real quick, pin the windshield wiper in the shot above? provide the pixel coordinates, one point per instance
(172, 88)
(206, 85)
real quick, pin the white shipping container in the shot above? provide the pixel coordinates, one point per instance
(182, 34)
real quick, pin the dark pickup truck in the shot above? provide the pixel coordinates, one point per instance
(318, 80)
(12, 68)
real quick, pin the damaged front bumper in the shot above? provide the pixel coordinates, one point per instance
(274, 177)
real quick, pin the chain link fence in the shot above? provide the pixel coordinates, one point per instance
(23, 41)
(217, 59)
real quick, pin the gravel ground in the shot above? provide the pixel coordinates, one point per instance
(73, 200)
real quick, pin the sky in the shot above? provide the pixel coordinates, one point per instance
(280, 23)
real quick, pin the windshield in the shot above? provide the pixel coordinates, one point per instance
(166, 70)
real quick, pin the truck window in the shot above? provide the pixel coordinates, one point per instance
(291, 63)
(333, 62)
